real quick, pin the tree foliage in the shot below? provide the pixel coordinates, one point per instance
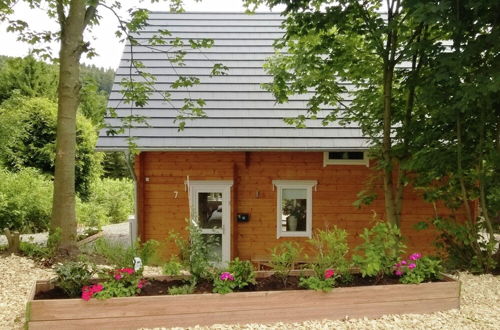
(29, 77)
(30, 140)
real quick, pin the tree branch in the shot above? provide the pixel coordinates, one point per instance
(61, 16)
(89, 14)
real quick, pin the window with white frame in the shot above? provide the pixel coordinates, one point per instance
(294, 208)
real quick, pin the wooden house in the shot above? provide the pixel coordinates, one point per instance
(249, 179)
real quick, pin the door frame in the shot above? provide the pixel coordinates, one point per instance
(208, 186)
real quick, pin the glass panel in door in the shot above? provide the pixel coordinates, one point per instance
(210, 218)
(210, 210)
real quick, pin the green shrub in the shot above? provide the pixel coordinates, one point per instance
(41, 251)
(91, 214)
(115, 197)
(224, 283)
(73, 275)
(196, 252)
(181, 289)
(461, 246)
(331, 250)
(283, 257)
(121, 282)
(243, 272)
(318, 283)
(120, 255)
(417, 269)
(32, 142)
(381, 249)
(172, 268)
(238, 275)
(25, 200)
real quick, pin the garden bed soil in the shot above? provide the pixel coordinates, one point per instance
(239, 307)
(158, 287)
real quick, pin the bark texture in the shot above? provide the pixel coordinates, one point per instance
(71, 48)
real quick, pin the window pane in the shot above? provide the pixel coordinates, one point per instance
(210, 210)
(346, 155)
(293, 209)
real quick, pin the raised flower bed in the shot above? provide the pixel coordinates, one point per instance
(240, 307)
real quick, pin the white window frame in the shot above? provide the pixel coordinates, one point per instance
(208, 186)
(294, 184)
(327, 161)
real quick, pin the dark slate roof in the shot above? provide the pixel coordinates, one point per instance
(240, 114)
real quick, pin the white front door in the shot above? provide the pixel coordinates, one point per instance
(211, 208)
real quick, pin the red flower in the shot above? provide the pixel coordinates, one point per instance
(129, 271)
(329, 273)
(89, 291)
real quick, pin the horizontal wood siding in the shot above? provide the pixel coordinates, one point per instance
(166, 200)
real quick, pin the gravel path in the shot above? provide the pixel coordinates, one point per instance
(17, 276)
(480, 304)
(116, 232)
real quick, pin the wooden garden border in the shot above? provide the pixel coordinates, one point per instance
(240, 307)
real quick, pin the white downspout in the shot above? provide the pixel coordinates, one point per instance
(132, 220)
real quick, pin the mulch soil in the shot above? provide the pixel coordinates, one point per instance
(272, 283)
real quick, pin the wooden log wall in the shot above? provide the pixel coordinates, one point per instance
(164, 197)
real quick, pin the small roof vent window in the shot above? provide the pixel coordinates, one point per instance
(345, 158)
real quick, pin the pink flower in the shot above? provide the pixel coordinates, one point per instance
(403, 262)
(397, 265)
(226, 276)
(118, 277)
(329, 273)
(97, 288)
(411, 266)
(141, 283)
(415, 256)
(398, 273)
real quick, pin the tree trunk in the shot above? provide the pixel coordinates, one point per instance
(461, 179)
(13, 240)
(390, 207)
(63, 207)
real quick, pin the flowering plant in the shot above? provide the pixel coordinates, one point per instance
(417, 269)
(89, 291)
(121, 282)
(224, 283)
(325, 283)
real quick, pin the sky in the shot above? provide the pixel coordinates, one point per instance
(102, 37)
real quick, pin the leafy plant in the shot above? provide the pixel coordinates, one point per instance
(242, 271)
(238, 275)
(325, 282)
(380, 250)
(120, 255)
(172, 268)
(182, 289)
(283, 257)
(196, 252)
(73, 275)
(25, 200)
(122, 282)
(417, 269)
(331, 250)
(224, 283)
(41, 251)
(461, 246)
